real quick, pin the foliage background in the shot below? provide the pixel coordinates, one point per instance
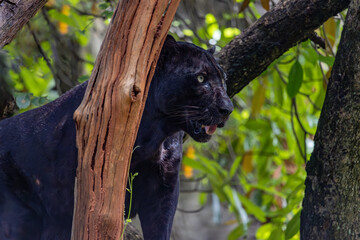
(254, 168)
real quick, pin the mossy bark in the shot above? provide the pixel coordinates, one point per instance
(331, 207)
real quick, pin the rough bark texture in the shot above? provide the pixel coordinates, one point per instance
(288, 23)
(14, 14)
(331, 207)
(109, 115)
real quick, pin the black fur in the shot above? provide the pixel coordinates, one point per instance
(38, 155)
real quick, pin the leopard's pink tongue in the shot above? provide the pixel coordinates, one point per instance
(210, 129)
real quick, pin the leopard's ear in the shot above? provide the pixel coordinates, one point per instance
(170, 42)
(211, 50)
(170, 48)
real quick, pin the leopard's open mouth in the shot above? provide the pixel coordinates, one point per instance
(207, 129)
(202, 131)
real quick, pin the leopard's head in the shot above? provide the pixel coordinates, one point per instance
(192, 89)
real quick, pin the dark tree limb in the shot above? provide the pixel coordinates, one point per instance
(331, 207)
(14, 15)
(7, 102)
(285, 25)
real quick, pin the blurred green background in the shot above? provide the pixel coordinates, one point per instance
(254, 168)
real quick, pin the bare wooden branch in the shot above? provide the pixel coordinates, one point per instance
(14, 14)
(109, 115)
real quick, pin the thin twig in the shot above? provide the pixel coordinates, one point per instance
(328, 41)
(294, 132)
(42, 52)
(298, 118)
(84, 13)
(321, 68)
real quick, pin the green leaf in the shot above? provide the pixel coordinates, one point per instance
(104, 5)
(293, 226)
(252, 208)
(311, 55)
(63, 18)
(236, 233)
(107, 14)
(39, 101)
(295, 79)
(194, 164)
(329, 60)
(276, 234)
(23, 100)
(203, 198)
(235, 166)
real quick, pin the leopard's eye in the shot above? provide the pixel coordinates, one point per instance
(200, 78)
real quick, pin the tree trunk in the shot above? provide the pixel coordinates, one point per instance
(285, 25)
(14, 14)
(109, 115)
(331, 207)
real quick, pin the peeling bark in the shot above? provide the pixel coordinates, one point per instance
(113, 103)
(287, 24)
(331, 207)
(14, 14)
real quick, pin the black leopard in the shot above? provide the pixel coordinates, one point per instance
(38, 154)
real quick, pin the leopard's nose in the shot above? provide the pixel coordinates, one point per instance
(226, 107)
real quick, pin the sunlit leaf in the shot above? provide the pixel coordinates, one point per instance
(311, 55)
(247, 164)
(236, 233)
(330, 29)
(210, 19)
(293, 226)
(62, 18)
(265, 4)
(188, 32)
(258, 98)
(264, 231)
(277, 233)
(231, 32)
(194, 164)
(329, 60)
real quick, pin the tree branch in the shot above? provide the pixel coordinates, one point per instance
(14, 16)
(285, 25)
